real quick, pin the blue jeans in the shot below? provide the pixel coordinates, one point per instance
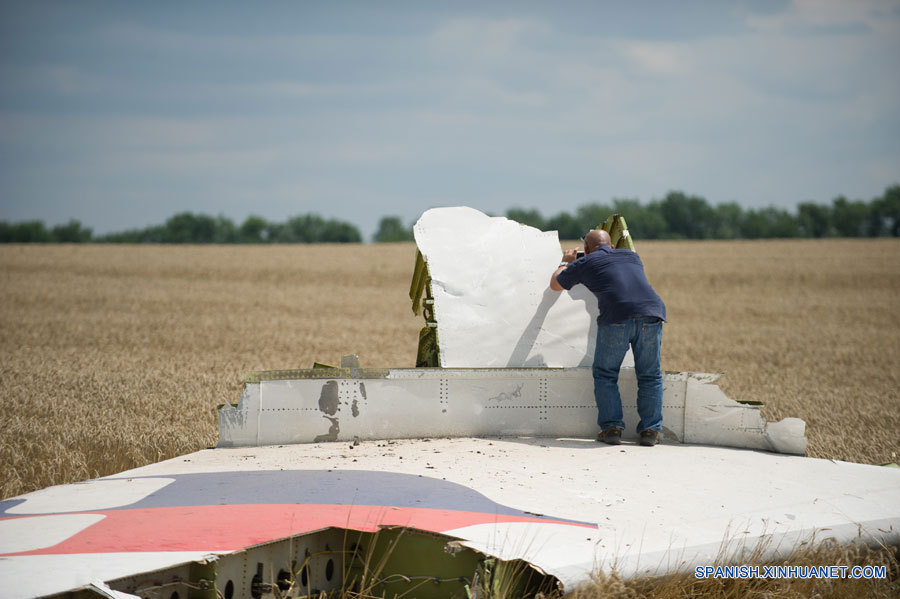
(644, 335)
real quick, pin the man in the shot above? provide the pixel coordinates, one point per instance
(631, 313)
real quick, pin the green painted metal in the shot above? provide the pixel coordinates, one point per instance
(498, 579)
(618, 232)
(404, 562)
(427, 355)
(420, 280)
(203, 580)
(259, 376)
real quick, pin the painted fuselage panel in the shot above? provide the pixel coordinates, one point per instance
(566, 505)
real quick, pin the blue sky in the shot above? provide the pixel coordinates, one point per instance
(121, 114)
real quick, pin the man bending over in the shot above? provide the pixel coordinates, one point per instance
(631, 313)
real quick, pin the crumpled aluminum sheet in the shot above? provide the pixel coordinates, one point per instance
(490, 277)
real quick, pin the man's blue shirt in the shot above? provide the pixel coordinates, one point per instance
(617, 278)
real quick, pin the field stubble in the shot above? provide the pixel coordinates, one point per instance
(116, 356)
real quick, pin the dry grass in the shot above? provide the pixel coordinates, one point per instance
(828, 553)
(112, 357)
(811, 328)
(116, 356)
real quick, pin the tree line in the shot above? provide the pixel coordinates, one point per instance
(676, 216)
(682, 216)
(187, 227)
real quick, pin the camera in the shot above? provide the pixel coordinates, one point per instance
(579, 255)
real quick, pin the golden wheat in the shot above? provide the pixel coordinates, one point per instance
(116, 356)
(828, 553)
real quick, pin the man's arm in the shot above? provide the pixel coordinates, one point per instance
(554, 284)
(568, 257)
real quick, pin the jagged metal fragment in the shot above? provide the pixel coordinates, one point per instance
(492, 302)
(307, 406)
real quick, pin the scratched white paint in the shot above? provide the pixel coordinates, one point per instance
(464, 402)
(81, 497)
(100, 588)
(490, 277)
(27, 576)
(27, 534)
(649, 521)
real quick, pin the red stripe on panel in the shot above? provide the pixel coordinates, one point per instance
(233, 527)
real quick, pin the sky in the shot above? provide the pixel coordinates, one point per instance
(121, 114)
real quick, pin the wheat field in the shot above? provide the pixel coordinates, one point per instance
(116, 356)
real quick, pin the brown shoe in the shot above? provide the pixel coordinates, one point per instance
(610, 436)
(649, 438)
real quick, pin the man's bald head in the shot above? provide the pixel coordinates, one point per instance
(594, 239)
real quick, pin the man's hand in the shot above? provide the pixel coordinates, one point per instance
(569, 256)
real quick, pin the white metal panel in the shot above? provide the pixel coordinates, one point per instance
(96, 496)
(26, 576)
(492, 300)
(101, 589)
(671, 507)
(18, 535)
(712, 418)
(462, 402)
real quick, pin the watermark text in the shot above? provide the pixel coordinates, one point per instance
(790, 572)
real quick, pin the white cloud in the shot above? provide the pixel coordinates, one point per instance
(471, 110)
(488, 40)
(53, 78)
(664, 59)
(480, 92)
(826, 16)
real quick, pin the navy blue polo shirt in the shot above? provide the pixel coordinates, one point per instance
(617, 278)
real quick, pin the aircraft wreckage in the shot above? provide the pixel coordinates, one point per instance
(473, 474)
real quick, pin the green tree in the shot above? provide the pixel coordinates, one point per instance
(305, 229)
(312, 228)
(532, 218)
(814, 220)
(590, 216)
(646, 222)
(567, 226)
(886, 213)
(71, 232)
(891, 208)
(340, 232)
(225, 231)
(152, 234)
(849, 218)
(781, 223)
(253, 230)
(729, 217)
(31, 231)
(753, 225)
(187, 227)
(391, 228)
(275, 233)
(767, 223)
(687, 216)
